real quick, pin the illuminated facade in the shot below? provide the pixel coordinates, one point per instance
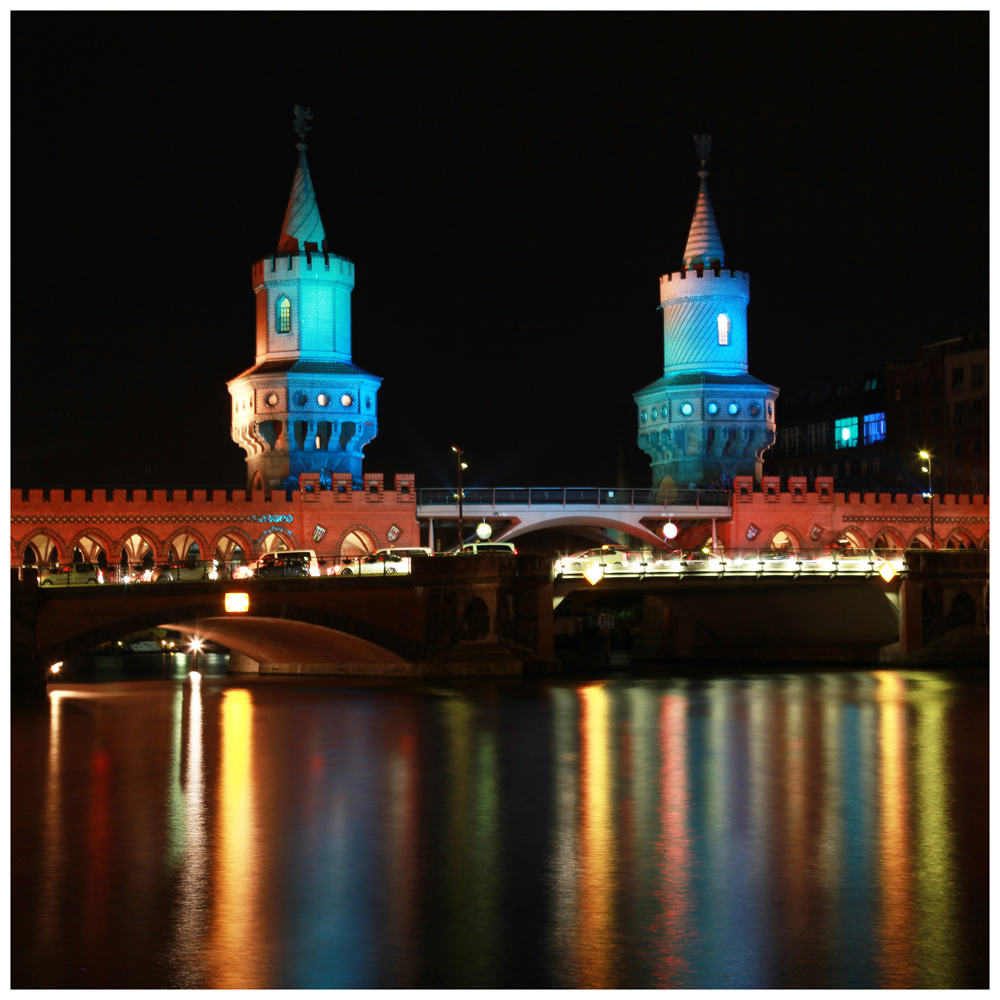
(706, 420)
(304, 406)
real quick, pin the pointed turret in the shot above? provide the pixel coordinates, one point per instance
(303, 228)
(704, 244)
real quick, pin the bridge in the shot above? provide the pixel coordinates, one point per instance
(515, 511)
(494, 614)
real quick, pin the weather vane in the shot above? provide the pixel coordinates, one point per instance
(703, 146)
(302, 115)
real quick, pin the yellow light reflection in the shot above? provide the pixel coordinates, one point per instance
(895, 931)
(597, 848)
(234, 952)
(53, 854)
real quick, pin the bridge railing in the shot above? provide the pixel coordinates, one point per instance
(497, 497)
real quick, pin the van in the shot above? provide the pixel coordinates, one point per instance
(485, 548)
(287, 563)
(410, 553)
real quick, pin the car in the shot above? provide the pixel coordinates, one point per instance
(485, 548)
(614, 558)
(286, 564)
(74, 575)
(415, 551)
(183, 572)
(381, 563)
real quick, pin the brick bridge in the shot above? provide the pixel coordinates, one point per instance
(494, 614)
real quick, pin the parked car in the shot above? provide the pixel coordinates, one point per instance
(484, 548)
(74, 575)
(287, 563)
(411, 552)
(614, 558)
(174, 572)
(381, 563)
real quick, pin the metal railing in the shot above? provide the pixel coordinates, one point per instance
(571, 496)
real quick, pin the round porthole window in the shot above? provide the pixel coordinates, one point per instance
(713, 407)
(346, 400)
(644, 416)
(655, 413)
(687, 409)
(734, 408)
(770, 410)
(754, 410)
(301, 399)
(323, 399)
(271, 399)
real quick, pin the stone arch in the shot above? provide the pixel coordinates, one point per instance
(58, 543)
(858, 539)
(359, 534)
(236, 535)
(195, 534)
(920, 538)
(99, 536)
(888, 538)
(271, 536)
(959, 538)
(131, 541)
(782, 534)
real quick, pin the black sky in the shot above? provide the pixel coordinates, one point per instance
(509, 187)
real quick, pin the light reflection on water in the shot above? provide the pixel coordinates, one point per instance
(814, 830)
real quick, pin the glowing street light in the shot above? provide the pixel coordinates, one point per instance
(926, 456)
(461, 465)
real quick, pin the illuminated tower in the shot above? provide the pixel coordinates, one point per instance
(706, 420)
(303, 406)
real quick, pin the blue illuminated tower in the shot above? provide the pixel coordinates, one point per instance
(705, 420)
(304, 406)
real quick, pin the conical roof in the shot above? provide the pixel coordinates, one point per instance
(302, 222)
(704, 244)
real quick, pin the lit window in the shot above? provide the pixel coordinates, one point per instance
(846, 432)
(723, 329)
(874, 427)
(284, 315)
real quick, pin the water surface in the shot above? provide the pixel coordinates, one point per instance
(812, 830)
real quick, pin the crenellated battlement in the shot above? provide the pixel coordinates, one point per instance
(303, 264)
(139, 501)
(706, 282)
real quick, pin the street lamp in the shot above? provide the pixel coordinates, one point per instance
(926, 456)
(461, 465)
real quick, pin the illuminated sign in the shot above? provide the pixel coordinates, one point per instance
(319, 533)
(237, 602)
(394, 532)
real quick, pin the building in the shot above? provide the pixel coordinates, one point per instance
(304, 406)
(866, 431)
(706, 420)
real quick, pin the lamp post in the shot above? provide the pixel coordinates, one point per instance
(461, 465)
(926, 456)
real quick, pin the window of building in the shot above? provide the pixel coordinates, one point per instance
(976, 445)
(845, 432)
(847, 470)
(871, 384)
(284, 315)
(864, 467)
(957, 379)
(899, 395)
(976, 382)
(816, 436)
(958, 449)
(876, 465)
(874, 427)
(976, 407)
(723, 330)
(956, 414)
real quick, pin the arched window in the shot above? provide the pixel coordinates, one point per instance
(723, 330)
(284, 315)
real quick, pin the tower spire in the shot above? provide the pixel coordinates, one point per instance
(704, 244)
(302, 228)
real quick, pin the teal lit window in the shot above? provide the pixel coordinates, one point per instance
(846, 432)
(874, 427)
(284, 315)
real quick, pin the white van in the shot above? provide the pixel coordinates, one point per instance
(410, 553)
(287, 563)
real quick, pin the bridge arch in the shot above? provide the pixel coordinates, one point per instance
(89, 540)
(226, 541)
(281, 632)
(356, 540)
(275, 538)
(187, 536)
(49, 546)
(889, 538)
(920, 538)
(959, 538)
(785, 536)
(136, 542)
(858, 538)
(588, 520)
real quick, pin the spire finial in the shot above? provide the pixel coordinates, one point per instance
(703, 146)
(302, 115)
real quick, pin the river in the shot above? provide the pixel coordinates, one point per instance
(781, 829)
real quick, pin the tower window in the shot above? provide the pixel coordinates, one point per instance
(284, 315)
(846, 434)
(723, 330)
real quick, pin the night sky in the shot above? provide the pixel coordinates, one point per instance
(509, 186)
